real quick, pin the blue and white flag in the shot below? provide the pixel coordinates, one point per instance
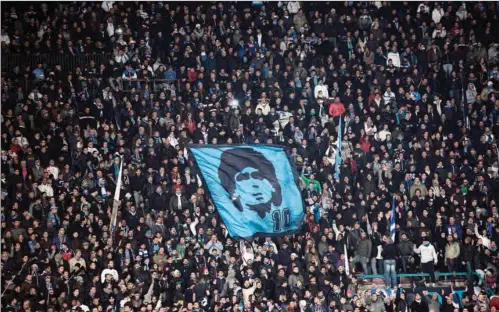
(116, 201)
(392, 221)
(338, 151)
(255, 188)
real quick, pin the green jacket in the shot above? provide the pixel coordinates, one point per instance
(315, 184)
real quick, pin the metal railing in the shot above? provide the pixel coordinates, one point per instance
(437, 274)
(155, 85)
(67, 61)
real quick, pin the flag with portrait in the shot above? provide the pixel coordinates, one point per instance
(254, 188)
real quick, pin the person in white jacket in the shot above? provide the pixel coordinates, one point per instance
(46, 189)
(293, 7)
(321, 87)
(429, 258)
(394, 56)
(423, 8)
(5, 37)
(383, 133)
(247, 254)
(437, 14)
(485, 240)
(389, 96)
(111, 271)
(107, 5)
(439, 32)
(110, 27)
(264, 105)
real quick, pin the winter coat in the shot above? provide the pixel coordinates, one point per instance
(427, 253)
(419, 306)
(432, 304)
(452, 250)
(471, 95)
(421, 187)
(174, 203)
(405, 248)
(247, 292)
(293, 280)
(375, 306)
(364, 248)
(299, 20)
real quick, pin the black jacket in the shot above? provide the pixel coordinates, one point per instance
(419, 307)
(389, 252)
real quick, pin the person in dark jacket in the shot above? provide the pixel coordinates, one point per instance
(405, 249)
(419, 305)
(158, 199)
(389, 255)
(468, 256)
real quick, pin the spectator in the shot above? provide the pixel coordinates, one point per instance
(429, 258)
(390, 260)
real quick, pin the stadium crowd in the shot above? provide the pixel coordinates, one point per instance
(414, 83)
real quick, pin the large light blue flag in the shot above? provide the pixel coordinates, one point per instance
(255, 188)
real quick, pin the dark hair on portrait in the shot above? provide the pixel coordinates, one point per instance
(236, 160)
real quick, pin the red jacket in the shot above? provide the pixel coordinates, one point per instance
(336, 109)
(192, 76)
(365, 145)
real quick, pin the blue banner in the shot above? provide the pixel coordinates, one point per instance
(255, 188)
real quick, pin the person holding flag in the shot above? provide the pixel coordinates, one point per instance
(389, 255)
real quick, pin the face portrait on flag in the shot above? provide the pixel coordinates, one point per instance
(255, 189)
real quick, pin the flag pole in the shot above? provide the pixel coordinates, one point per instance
(116, 201)
(347, 264)
(338, 150)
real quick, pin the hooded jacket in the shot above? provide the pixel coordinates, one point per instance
(427, 252)
(471, 94)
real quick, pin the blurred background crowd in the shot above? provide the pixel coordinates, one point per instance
(414, 86)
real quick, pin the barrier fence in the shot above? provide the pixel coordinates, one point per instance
(156, 85)
(445, 275)
(68, 62)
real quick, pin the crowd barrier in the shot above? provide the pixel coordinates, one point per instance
(437, 274)
(154, 84)
(445, 275)
(68, 62)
